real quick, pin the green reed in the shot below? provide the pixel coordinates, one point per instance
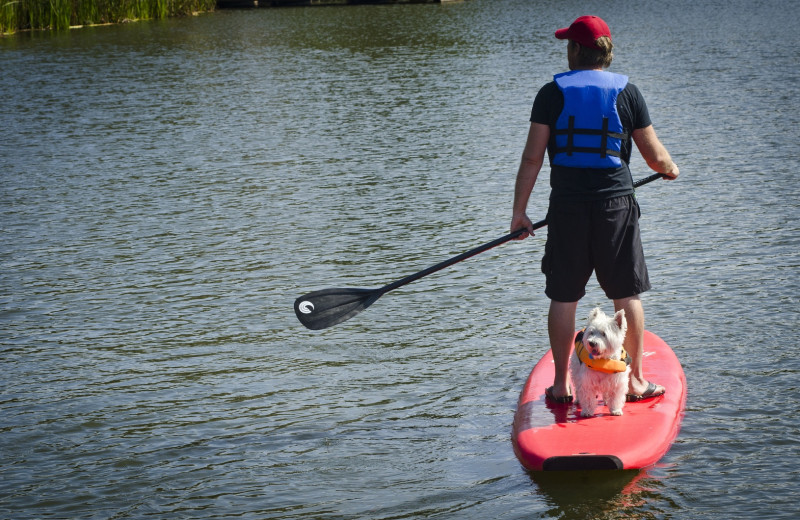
(16, 15)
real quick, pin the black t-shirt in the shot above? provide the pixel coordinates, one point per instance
(591, 183)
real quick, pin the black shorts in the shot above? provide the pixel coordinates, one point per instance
(600, 236)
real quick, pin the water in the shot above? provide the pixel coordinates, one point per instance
(169, 188)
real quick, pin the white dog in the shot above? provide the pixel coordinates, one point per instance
(599, 364)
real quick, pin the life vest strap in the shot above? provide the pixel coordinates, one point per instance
(604, 134)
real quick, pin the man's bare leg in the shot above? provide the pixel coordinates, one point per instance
(634, 343)
(561, 327)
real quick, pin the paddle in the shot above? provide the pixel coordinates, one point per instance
(322, 309)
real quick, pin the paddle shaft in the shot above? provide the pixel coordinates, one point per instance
(322, 309)
(458, 258)
(483, 248)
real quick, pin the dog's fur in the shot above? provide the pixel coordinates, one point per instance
(603, 339)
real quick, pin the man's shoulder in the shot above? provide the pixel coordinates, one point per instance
(634, 107)
(632, 91)
(548, 104)
(549, 90)
(549, 86)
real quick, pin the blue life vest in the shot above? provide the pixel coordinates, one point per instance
(588, 131)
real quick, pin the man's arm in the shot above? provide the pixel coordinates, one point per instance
(531, 164)
(654, 152)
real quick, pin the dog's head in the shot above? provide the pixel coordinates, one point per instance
(604, 334)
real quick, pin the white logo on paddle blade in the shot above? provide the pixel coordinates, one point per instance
(306, 307)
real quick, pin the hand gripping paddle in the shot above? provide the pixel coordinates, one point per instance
(322, 309)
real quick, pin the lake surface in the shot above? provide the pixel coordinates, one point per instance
(167, 189)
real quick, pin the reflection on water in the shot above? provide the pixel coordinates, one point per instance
(167, 190)
(599, 494)
(588, 491)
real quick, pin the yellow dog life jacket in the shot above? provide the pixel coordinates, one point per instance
(609, 366)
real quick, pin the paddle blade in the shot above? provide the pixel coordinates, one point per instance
(322, 309)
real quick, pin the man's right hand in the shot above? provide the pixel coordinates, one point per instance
(522, 222)
(673, 173)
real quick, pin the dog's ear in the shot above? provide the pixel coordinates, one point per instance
(594, 313)
(619, 317)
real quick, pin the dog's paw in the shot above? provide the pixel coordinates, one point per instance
(616, 412)
(586, 413)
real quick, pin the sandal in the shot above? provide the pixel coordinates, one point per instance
(564, 399)
(649, 393)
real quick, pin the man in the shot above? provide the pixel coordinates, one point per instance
(585, 120)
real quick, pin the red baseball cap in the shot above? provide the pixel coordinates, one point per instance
(585, 30)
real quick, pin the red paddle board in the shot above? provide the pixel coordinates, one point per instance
(553, 437)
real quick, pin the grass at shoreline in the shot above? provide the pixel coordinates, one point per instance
(19, 15)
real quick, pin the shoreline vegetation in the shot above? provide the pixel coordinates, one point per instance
(59, 15)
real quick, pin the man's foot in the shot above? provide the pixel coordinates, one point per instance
(564, 399)
(651, 391)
